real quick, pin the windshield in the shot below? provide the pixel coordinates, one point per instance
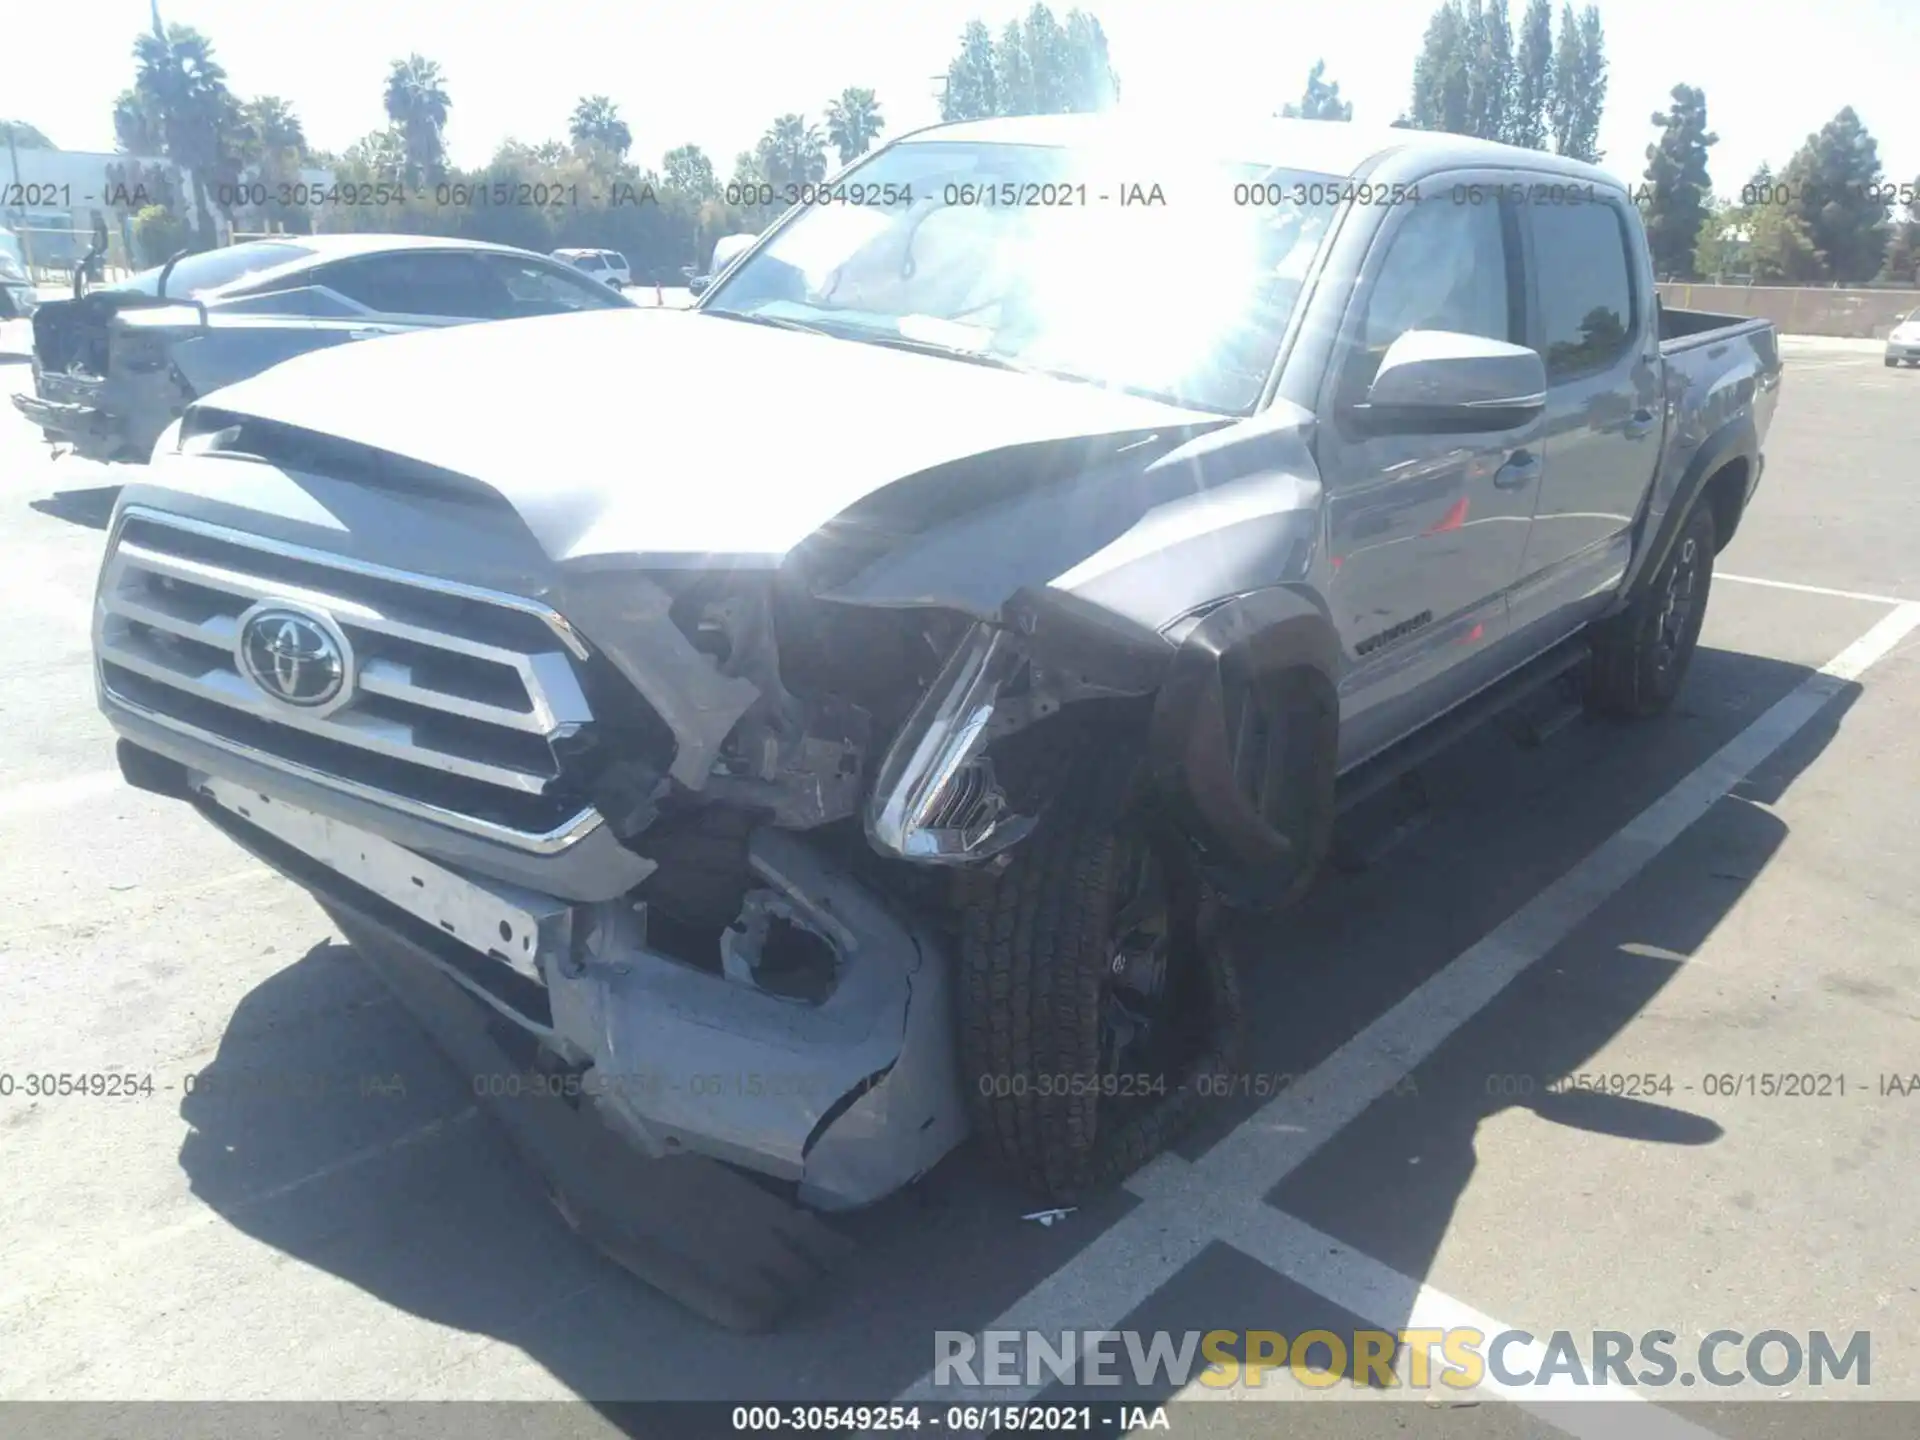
(1172, 277)
(211, 269)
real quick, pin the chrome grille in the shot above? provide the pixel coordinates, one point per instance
(458, 694)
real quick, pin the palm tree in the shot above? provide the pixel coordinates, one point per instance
(853, 121)
(23, 136)
(596, 121)
(276, 148)
(792, 152)
(688, 170)
(417, 104)
(136, 128)
(180, 97)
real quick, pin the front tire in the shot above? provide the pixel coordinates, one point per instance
(1091, 999)
(1641, 655)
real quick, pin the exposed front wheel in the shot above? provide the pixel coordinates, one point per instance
(1642, 654)
(1091, 998)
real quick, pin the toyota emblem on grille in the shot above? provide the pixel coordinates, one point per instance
(295, 658)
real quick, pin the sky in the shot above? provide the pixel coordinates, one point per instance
(715, 73)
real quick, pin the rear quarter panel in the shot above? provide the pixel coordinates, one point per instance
(1721, 389)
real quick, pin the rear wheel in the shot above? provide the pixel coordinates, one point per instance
(1641, 655)
(1090, 998)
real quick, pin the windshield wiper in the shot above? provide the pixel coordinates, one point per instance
(778, 322)
(947, 352)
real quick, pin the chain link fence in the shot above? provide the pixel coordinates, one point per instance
(1864, 314)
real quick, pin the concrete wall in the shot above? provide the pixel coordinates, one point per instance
(1864, 314)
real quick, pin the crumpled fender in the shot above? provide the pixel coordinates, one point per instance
(1244, 741)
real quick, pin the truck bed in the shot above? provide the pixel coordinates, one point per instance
(1686, 329)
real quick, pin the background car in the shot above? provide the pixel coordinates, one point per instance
(609, 267)
(1903, 345)
(17, 296)
(112, 369)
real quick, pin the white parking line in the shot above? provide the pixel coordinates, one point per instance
(1185, 1207)
(1811, 589)
(1383, 1297)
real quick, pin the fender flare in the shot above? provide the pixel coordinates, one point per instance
(1255, 798)
(1734, 441)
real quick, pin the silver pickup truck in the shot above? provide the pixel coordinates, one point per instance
(855, 742)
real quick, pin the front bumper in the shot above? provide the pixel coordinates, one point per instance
(1903, 350)
(67, 410)
(846, 1099)
(626, 1079)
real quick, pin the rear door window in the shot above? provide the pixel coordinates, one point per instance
(533, 287)
(1585, 286)
(421, 282)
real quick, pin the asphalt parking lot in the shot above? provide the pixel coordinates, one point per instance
(1710, 900)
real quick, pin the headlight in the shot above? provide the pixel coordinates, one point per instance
(936, 799)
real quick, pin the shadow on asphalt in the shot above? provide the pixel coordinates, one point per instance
(447, 1226)
(92, 507)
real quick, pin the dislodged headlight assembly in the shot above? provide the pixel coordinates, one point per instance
(936, 799)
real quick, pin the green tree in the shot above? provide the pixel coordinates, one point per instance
(1489, 42)
(1678, 186)
(596, 121)
(1440, 80)
(417, 105)
(1088, 79)
(972, 90)
(792, 152)
(1902, 265)
(687, 169)
(1322, 99)
(1039, 65)
(180, 100)
(379, 155)
(1833, 185)
(1013, 69)
(1532, 77)
(1781, 249)
(1720, 250)
(136, 127)
(1578, 96)
(23, 136)
(854, 122)
(157, 235)
(273, 147)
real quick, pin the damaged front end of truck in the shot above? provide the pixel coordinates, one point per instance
(670, 858)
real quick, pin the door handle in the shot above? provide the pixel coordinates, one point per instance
(1521, 469)
(1639, 423)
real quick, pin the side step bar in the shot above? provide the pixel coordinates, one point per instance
(1371, 777)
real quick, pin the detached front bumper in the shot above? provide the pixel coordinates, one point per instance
(67, 410)
(675, 1113)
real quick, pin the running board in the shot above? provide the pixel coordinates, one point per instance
(1371, 777)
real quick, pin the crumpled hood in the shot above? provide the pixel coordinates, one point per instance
(668, 432)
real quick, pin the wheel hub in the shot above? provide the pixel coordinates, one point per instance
(1134, 988)
(1678, 605)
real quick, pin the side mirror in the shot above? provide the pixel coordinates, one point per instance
(1437, 380)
